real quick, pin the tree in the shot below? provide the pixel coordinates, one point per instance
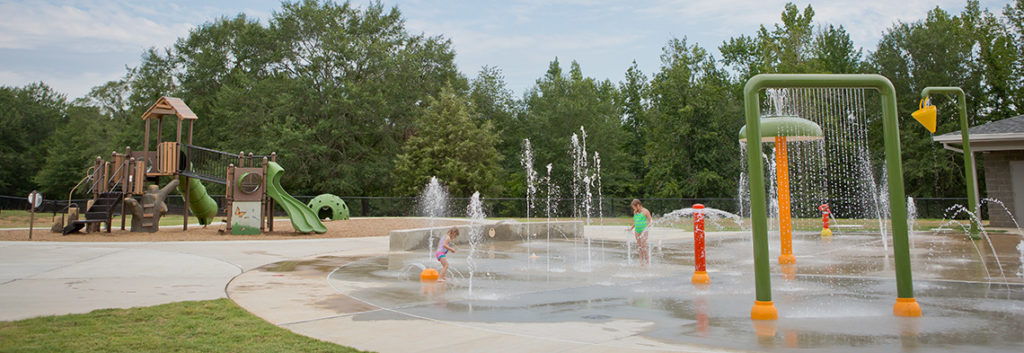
(794, 46)
(334, 89)
(216, 63)
(120, 115)
(348, 85)
(937, 51)
(634, 100)
(1014, 14)
(492, 101)
(834, 52)
(557, 107)
(785, 49)
(29, 116)
(999, 59)
(692, 149)
(451, 144)
(490, 98)
(82, 135)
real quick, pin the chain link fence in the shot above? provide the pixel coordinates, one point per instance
(500, 207)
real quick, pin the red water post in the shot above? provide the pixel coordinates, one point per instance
(700, 274)
(825, 231)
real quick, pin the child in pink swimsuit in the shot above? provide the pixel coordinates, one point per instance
(443, 247)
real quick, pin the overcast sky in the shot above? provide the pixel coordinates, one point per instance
(76, 45)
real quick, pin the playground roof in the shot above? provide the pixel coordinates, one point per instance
(999, 135)
(170, 106)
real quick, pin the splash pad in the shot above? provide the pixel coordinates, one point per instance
(840, 298)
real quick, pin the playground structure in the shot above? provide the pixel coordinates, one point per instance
(252, 183)
(329, 203)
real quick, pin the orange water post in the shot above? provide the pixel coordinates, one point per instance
(780, 130)
(700, 274)
(785, 222)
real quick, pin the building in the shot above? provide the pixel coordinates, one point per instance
(1001, 143)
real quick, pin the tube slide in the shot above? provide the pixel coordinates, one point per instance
(201, 204)
(304, 220)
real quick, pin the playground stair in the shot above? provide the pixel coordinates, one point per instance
(101, 211)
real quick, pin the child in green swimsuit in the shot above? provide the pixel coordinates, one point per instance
(641, 219)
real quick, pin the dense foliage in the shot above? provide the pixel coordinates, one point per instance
(357, 105)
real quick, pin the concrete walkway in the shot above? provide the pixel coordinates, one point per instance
(51, 278)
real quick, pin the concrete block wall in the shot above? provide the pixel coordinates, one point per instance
(999, 185)
(417, 239)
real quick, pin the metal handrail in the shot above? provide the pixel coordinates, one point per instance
(88, 176)
(93, 176)
(114, 175)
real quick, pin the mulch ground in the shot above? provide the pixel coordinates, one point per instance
(369, 227)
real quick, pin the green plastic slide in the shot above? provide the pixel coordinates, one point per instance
(202, 205)
(304, 220)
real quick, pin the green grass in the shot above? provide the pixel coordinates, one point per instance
(197, 326)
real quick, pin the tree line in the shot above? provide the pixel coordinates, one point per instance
(355, 104)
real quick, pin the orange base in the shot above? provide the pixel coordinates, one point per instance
(700, 277)
(906, 307)
(787, 259)
(826, 232)
(764, 311)
(429, 275)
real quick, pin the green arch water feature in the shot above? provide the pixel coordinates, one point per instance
(763, 308)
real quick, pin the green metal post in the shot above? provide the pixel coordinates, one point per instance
(894, 165)
(969, 167)
(758, 202)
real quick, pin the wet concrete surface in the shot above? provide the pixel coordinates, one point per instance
(837, 297)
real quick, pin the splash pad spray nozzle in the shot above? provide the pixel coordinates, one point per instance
(781, 130)
(429, 275)
(825, 231)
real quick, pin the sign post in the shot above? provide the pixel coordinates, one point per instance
(34, 200)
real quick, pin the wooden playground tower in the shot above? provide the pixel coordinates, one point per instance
(125, 174)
